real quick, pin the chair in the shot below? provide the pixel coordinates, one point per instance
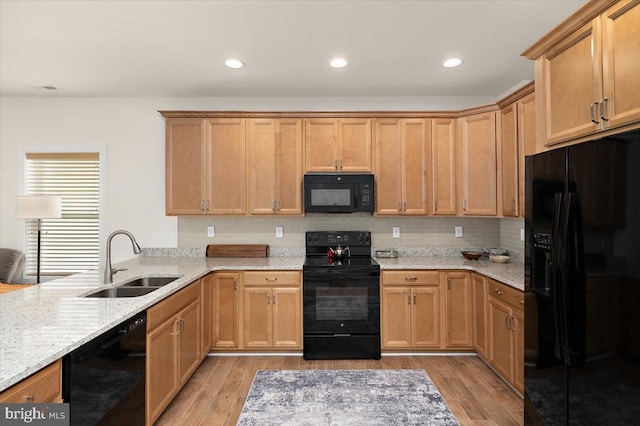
(11, 265)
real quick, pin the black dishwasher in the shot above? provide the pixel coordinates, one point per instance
(104, 379)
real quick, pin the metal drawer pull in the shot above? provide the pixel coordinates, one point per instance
(592, 110)
(268, 298)
(602, 116)
(522, 301)
(29, 398)
(506, 321)
(411, 278)
(498, 292)
(414, 298)
(409, 298)
(271, 278)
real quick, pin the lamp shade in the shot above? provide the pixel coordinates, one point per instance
(39, 207)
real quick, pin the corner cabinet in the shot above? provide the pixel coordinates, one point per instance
(274, 166)
(338, 145)
(410, 317)
(588, 82)
(478, 164)
(205, 166)
(173, 347)
(401, 166)
(272, 310)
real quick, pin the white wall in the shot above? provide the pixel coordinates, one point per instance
(132, 133)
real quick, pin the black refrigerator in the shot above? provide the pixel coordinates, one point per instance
(582, 284)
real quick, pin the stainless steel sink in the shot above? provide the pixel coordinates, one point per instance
(123, 292)
(149, 282)
(135, 288)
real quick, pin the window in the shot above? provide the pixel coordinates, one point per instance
(69, 244)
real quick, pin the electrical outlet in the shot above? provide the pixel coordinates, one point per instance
(521, 234)
(458, 231)
(211, 231)
(396, 232)
(279, 232)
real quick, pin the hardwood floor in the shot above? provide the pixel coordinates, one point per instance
(217, 390)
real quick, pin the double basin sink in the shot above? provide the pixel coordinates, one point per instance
(134, 288)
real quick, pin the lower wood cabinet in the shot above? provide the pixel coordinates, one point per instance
(173, 347)
(479, 307)
(272, 310)
(410, 310)
(225, 305)
(506, 332)
(41, 387)
(206, 313)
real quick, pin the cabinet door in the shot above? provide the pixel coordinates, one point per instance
(518, 349)
(479, 295)
(458, 323)
(226, 166)
(289, 166)
(416, 135)
(620, 53)
(189, 333)
(478, 165)
(443, 166)
(261, 166)
(388, 163)
(508, 145)
(570, 84)
(257, 317)
(425, 324)
(41, 387)
(185, 166)
(286, 304)
(396, 317)
(526, 140)
(321, 145)
(162, 379)
(225, 307)
(354, 145)
(206, 318)
(500, 339)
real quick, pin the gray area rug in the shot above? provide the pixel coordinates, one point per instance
(344, 397)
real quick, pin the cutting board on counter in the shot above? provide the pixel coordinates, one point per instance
(237, 250)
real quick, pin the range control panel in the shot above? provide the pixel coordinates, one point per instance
(344, 238)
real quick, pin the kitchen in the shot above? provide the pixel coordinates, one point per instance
(138, 120)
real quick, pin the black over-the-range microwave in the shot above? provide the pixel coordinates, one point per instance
(338, 193)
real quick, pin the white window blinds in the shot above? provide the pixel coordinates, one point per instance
(69, 244)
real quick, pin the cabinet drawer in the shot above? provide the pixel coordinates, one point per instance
(270, 278)
(511, 296)
(43, 386)
(161, 311)
(410, 278)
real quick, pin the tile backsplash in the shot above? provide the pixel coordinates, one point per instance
(431, 232)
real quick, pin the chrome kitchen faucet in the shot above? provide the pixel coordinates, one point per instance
(109, 270)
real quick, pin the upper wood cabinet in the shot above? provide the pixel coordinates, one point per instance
(478, 164)
(338, 145)
(274, 166)
(589, 82)
(443, 166)
(526, 140)
(401, 166)
(186, 149)
(508, 149)
(205, 166)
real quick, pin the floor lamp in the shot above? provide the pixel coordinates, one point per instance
(39, 207)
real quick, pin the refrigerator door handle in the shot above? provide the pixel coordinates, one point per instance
(559, 273)
(575, 293)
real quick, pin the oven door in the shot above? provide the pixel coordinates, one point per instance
(341, 301)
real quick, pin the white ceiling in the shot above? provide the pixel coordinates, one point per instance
(176, 48)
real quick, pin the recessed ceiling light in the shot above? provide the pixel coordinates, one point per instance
(452, 62)
(234, 63)
(338, 63)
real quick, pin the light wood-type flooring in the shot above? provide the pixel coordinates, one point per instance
(216, 392)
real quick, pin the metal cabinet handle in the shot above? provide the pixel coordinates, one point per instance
(415, 295)
(202, 205)
(341, 163)
(522, 301)
(271, 278)
(513, 205)
(29, 398)
(498, 292)
(268, 298)
(506, 321)
(404, 206)
(399, 205)
(235, 283)
(277, 205)
(411, 278)
(207, 205)
(335, 163)
(181, 325)
(273, 205)
(274, 299)
(602, 104)
(592, 110)
(464, 205)
(409, 298)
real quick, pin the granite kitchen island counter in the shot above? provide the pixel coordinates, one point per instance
(41, 324)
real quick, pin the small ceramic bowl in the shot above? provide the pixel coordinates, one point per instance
(499, 259)
(495, 251)
(472, 255)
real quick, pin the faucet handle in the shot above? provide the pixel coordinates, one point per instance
(119, 269)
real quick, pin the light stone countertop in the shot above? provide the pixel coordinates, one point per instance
(41, 324)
